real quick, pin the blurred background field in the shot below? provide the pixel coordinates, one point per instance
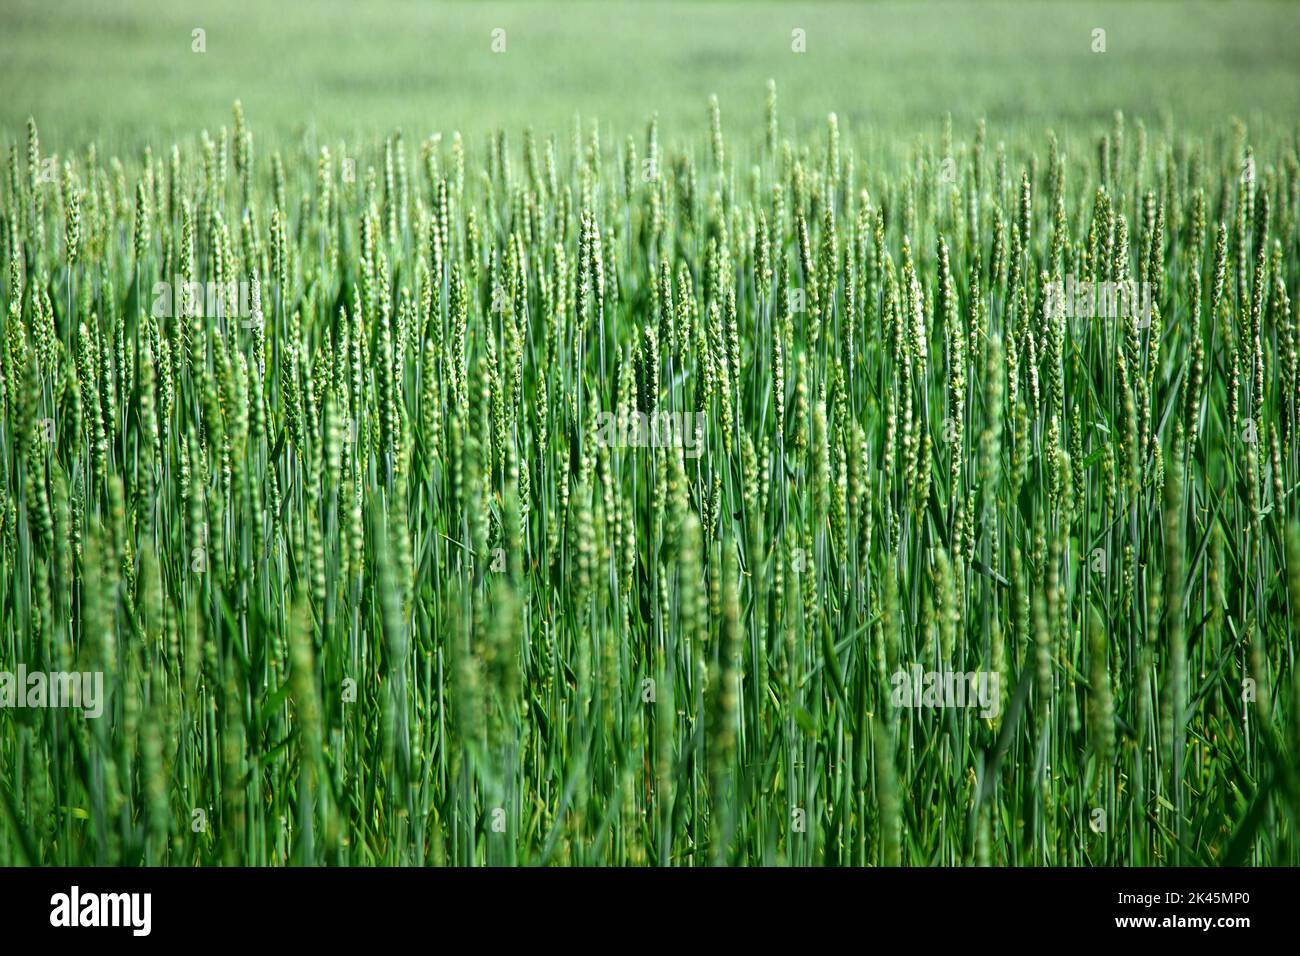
(124, 72)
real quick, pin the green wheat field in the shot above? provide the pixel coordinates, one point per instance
(655, 435)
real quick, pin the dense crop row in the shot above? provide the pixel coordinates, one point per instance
(594, 502)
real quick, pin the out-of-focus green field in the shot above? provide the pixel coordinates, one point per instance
(124, 71)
